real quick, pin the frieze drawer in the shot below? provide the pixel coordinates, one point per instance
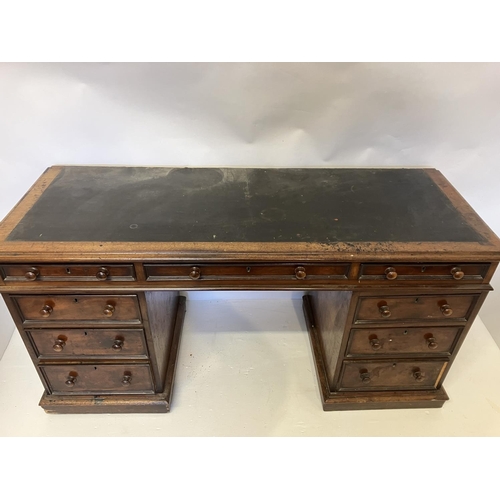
(67, 272)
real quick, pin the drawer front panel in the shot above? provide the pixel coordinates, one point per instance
(401, 272)
(60, 343)
(381, 341)
(98, 379)
(82, 308)
(255, 272)
(424, 307)
(68, 272)
(391, 375)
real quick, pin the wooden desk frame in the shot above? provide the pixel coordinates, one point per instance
(331, 304)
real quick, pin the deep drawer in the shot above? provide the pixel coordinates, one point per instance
(391, 375)
(415, 308)
(248, 272)
(98, 379)
(87, 342)
(80, 308)
(401, 272)
(68, 272)
(401, 341)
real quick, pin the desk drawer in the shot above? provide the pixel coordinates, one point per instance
(401, 272)
(68, 272)
(414, 308)
(246, 272)
(98, 379)
(391, 375)
(116, 343)
(400, 341)
(79, 308)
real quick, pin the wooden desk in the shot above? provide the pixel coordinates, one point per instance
(394, 264)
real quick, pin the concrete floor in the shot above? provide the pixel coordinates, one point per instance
(245, 369)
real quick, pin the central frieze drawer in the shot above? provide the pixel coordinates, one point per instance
(98, 379)
(50, 343)
(256, 272)
(402, 341)
(395, 375)
(414, 308)
(82, 308)
(68, 272)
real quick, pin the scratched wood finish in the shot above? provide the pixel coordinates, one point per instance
(99, 378)
(67, 272)
(392, 271)
(431, 341)
(330, 312)
(79, 308)
(419, 307)
(400, 374)
(89, 342)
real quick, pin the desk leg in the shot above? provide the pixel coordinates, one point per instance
(335, 331)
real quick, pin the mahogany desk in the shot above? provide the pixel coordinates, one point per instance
(393, 262)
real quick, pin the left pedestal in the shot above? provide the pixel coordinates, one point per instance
(101, 352)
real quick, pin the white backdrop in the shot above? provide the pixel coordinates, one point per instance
(292, 114)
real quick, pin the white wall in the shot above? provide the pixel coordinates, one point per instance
(406, 114)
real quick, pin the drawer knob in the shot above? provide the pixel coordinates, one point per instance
(390, 273)
(418, 375)
(385, 311)
(127, 379)
(59, 345)
(300, 273)
(117, 345)
(102, 274)
(375, 343)
(431, 343)
(457, 273)
(446, 310)
(46, 311)
(32, 274)
(109, 310)
(195, 273)
(365, 377)
(71, 381)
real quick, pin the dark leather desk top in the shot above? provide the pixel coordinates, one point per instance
(331, 207)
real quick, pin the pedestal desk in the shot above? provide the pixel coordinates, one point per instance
(394, 266)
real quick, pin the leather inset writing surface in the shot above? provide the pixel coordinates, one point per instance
(155, 204)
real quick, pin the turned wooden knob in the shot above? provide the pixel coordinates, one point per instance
(418, 375)
(365, 377)
(300, 273)
(446, 310)
(59, 345)
(375, 343)
(457, 273)
(195, 273)
(431, 343)
(70, 381)
(117, 345)
(385, 311)
(32, 273)
(390, 273)
(109, 310)
(46, 311)
(127, 379)
(102, 274)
